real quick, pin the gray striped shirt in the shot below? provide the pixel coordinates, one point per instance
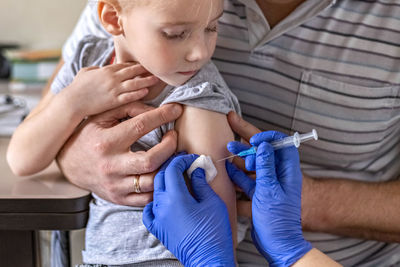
(330, 65)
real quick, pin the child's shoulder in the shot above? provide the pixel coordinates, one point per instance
(206, 90)
(93, 51)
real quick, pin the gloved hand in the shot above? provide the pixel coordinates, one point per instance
(196, 230)
(276, 198)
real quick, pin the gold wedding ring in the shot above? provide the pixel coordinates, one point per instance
(136, 186)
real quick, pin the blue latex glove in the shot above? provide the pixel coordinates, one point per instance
(276, 198)
(196, 230)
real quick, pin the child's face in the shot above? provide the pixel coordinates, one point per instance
(172, 39)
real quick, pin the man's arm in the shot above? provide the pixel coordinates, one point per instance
(315, 258)
(352, 208)
(339, 206)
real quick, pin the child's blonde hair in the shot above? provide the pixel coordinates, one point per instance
(126, 5)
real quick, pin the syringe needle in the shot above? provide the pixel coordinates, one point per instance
(226, 158)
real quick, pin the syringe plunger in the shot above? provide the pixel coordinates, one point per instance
(295, 140)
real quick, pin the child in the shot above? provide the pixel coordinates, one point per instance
(173, 40)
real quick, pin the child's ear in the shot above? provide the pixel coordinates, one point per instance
(110, 18)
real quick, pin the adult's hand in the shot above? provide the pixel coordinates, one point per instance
(245, 130)
(98, 157)
(276, 199)
(195, 229)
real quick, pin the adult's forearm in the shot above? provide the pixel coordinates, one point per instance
(369, 235)
(352, 208)
(315, 258)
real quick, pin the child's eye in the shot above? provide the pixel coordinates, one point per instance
(174, 36)
(212, 29)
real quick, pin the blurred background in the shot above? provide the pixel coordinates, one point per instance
(38, 24)
(32, 33)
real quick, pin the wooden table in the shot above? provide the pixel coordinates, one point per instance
(45, 201)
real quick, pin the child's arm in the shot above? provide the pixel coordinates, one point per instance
(36, 142)
(206, 132)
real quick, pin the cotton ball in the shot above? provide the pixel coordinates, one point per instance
(206, 163)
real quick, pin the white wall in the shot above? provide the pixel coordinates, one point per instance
(38, 24)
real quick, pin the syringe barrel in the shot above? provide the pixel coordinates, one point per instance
(293, 140)
(282, 144)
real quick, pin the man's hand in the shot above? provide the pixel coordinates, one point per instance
(98, 157)
(245, 130)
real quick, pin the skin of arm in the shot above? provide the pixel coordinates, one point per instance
(28, 151)
(46, 99)
(338, 206)
(205, 132)
(352, 208)
(315, 258)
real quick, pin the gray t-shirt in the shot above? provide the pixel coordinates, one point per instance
(115, 234)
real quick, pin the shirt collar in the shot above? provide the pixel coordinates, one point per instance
(259, 30)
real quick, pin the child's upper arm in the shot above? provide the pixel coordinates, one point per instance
(203, 132)
(207, 132)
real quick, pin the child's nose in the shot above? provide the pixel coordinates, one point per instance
(198, 51)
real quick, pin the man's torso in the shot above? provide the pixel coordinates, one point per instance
(333, 68)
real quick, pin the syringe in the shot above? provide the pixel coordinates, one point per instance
(295, 140)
